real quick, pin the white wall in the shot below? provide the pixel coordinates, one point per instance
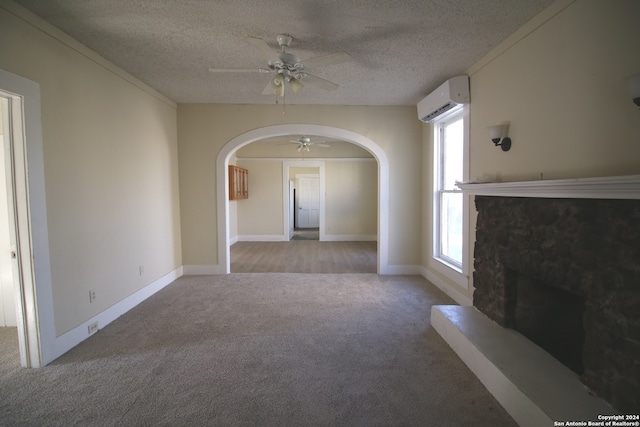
(560, 83)
(110, 163)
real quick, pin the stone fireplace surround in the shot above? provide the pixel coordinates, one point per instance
(581, 236)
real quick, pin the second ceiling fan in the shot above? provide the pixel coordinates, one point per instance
(304, 143)
(288, 68)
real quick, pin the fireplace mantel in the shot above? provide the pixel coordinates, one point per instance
(615, 187)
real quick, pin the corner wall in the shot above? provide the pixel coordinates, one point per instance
(559, 81)
(110, 164)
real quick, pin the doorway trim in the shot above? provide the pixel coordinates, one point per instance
(36, 328)
(286, 207)
(222, 185)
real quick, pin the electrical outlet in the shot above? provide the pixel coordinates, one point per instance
(141, 269)
(93, 328)
(92, 295)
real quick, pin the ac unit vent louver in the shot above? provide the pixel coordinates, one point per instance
(448, 106)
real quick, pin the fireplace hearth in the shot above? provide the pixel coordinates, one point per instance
(566, 274)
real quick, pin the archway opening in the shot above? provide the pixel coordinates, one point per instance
(249, 137)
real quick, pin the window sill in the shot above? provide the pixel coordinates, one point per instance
(451, 272)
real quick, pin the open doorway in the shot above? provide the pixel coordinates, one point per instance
(7, 295)
(305, 209)
(17, 284)
(247, 138)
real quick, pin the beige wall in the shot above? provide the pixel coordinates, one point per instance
(110, 160)
(261, 213)
(562, 87)
(297, 171)
(204, 129)
(560, 82)
(339, 149)
(351, 198)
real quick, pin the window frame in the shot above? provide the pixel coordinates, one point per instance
(446, 266)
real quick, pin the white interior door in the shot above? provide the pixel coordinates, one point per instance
(308, 194)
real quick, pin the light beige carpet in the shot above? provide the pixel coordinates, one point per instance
(260, 350)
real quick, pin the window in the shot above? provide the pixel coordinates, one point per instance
(450, 210)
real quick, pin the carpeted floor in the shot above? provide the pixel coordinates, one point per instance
(259, 350)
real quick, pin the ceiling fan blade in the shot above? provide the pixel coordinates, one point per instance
(321, 145)
(239, 70)
(263, 47)
(321, 83)
(331, 59)
(274, 87)
(296, 85)
(268, 90)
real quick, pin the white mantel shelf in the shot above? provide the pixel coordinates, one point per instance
(614, 187)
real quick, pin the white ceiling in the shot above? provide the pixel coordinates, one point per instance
(401, 49)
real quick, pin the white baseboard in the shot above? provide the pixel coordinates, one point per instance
(349, 237)
(324, 238)
(75, 336)
(262, 238)
(457, 296)
(202, 270)
(403, 270)
(233, 240)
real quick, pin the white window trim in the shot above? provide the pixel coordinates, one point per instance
(458, 275)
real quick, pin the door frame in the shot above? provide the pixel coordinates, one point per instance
(36, 326)
(321, 172)
(313, 176)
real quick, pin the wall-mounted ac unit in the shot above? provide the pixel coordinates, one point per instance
(450, 96)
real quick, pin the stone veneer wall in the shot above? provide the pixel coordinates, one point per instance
(585, 246)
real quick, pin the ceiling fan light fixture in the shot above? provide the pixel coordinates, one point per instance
(277, 86)
(295, 84)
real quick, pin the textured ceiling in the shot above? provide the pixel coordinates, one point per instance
(401, 49)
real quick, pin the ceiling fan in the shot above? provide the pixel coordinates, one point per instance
(304, 143)
(288, 67)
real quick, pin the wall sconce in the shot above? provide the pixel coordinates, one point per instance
(495, 133)
(634, 88)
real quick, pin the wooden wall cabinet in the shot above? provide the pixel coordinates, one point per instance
(238, 183)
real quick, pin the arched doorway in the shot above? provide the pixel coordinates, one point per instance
(229, 148)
